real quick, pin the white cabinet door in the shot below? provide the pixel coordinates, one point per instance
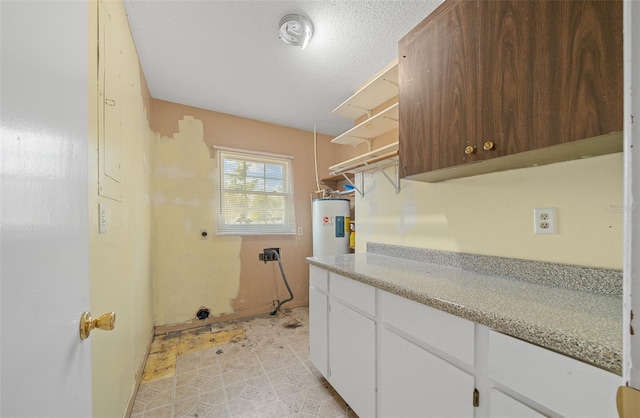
(566, 386)
(318, 332)
(502, 406)
(352, 358)
(415, 383)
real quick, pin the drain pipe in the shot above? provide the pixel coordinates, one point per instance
(274, 254)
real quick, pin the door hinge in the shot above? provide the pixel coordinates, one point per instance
(476, 398)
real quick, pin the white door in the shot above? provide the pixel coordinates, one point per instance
(631, 296)
(45, 368)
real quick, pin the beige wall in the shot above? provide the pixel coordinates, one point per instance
(120, 259)
(221, 273)
(493, 214)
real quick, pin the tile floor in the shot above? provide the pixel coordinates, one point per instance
(262, 371)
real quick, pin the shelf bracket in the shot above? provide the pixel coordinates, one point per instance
(395, 183)
(363, 109)
(359, 190)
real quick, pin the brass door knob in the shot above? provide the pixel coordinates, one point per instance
(105, 322)
(488, 146)
(470, 149)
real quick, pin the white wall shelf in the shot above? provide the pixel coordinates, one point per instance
(371, 128)
(378, 159)
(373, 94)
(349, 166)
(380, 89)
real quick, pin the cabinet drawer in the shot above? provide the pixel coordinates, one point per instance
(443, 331)
(566, 386)
(319, 278)
(354, 293)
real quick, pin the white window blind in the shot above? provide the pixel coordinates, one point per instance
(255, 193)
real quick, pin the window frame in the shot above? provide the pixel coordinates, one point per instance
(288, 225)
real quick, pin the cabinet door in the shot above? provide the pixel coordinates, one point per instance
(318, 333)
(566, 386)
(515, 66)
(415, 383)
(587, 82)
(551, 73)
(437, 93)
(352, 358)
(503, 406)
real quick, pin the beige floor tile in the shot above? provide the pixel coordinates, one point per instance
(262, 369)
(162, 412)
(214, 397)
(218, 411)
(161, 399)
(138, 408)
(241, 407)
(213, 383)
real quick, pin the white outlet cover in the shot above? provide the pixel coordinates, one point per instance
(544, 221)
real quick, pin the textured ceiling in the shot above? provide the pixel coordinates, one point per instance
(226, 56)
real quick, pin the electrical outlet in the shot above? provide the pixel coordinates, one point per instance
(544, 221)
(267, 254)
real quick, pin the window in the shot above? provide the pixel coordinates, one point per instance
(255, 193)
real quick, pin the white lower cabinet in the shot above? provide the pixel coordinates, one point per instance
(318, 330)
(562, 385)
(503, 406)
(388, 356)
(412, 382)
(352, 358)
(342, 337)
(319, 319)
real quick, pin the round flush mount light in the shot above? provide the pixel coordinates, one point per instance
(296, 30)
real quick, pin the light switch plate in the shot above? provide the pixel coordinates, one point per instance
(102, 218)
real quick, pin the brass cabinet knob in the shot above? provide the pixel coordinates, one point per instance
(470, 149)
(105, 322)
(488, 146)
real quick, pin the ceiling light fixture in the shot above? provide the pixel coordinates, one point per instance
(296, 30)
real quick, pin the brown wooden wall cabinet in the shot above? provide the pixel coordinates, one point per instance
(530, 82)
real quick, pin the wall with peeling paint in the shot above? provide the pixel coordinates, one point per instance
(120, 259)
(222, 273)
(492, 214)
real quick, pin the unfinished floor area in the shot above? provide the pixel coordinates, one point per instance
(257, 367)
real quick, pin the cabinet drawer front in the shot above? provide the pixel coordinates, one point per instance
(441, 330)
(564, 385)
(319, 278)
(356, 294)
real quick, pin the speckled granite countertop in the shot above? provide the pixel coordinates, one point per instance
(577, 323)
